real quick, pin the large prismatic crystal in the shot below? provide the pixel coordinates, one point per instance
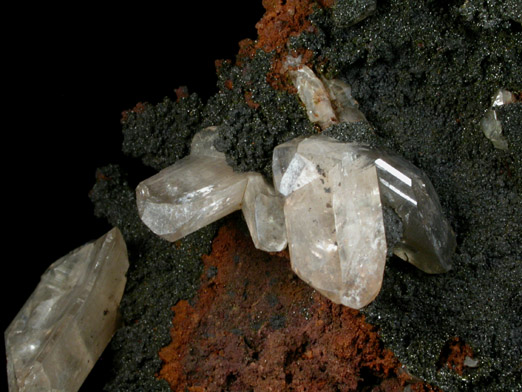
(334, 216)
(194, 192)
(428, 242)
(62, 329)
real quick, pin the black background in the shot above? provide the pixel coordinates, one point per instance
(68, 75)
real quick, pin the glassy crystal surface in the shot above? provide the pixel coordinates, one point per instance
(491, 126)
(263, 212)
(62, 329)
(359, 230)
(335, 222)
(428, 242)
(202, 188)
(194, 192)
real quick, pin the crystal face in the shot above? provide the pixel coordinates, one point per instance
(428, 241)
(334, 220)
(62, 329)
(263, 212)
(314, 95)
(327, 101)
(334, 216)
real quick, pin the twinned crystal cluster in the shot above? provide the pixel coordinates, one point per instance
(326, 203)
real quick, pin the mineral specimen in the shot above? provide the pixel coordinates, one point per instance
(491, 125)
(62, 329)
(334, 216)
(332, 208)
(428, 242)
(334, 224)
(202, 188)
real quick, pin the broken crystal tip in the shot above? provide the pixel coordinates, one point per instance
(62, 329)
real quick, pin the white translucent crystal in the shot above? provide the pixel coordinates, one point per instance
(263, 212)
(334, 216)
(202, 188)
(62, 329)
(327, 101)
(334, 222)
(194, 192)
(490, 124)
(314, 95)
(359, 229)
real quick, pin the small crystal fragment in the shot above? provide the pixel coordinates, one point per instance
(62, 329)
(314, 96)
(491, 126)
(345, 106)
(194, 192)
(263, 212)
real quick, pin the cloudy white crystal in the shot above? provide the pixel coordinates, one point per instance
(334, 221)
(314, 96)
(194, 192)
(327, 101)
(334, 216)
(202, 188)
(62, 329)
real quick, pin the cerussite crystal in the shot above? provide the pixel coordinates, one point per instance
(490, 124)
(202, 188)
(314, 95)
(334, 216)
(194, 192)
(428, 242)
(327, 101)
(334, 220)
(62, 329)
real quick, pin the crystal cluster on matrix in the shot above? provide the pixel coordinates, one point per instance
(327, 203)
